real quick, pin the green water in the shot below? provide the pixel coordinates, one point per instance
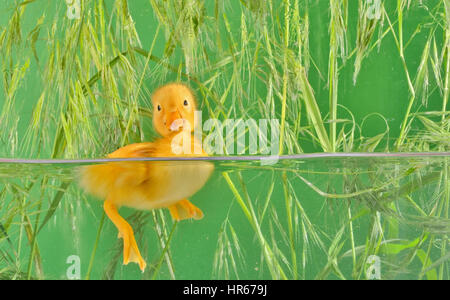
(373, 191)
(66, 93)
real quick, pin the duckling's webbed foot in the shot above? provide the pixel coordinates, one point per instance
(184, 209)
(130, 249)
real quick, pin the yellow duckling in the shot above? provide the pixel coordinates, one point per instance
(155, 184)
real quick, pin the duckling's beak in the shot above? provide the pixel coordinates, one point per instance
(174, 121)
(176, 125)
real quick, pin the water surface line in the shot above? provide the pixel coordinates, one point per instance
(231, 158)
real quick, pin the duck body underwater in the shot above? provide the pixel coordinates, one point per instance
(153, 184)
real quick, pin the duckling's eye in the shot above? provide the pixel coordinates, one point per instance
(185, 103)
(159, 107)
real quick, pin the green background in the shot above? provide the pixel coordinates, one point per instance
(196, 249)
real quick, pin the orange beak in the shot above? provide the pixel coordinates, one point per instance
(174, 121)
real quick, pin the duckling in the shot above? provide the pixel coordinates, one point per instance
(155, 184)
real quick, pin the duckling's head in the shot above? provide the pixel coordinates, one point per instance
(173, 109)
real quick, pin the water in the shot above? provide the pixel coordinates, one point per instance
(397, 207)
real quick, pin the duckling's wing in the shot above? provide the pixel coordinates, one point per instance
(134, 150)
(101, 179)
(132, 173)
